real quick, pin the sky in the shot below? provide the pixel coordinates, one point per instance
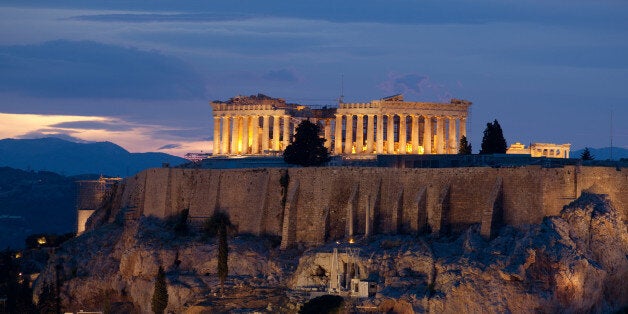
(141, 74)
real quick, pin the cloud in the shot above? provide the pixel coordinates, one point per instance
(57, 133)
(84, 69)
(183, 134)
(112, 125)
(415, 84)
(169, 146)
(282, 75)
(389, 12)
(155, 17)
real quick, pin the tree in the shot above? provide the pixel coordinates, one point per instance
(493, 141)
(323, 304)
(465, 146)
(586, 154)
(159, 302)
(220, 225)
(47, 303)
(308, 147)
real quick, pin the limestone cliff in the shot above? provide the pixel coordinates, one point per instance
(572, 262)
(312, 206)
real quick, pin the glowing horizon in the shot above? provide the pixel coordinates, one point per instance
(134, 137)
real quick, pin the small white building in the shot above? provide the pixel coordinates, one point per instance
(549, 150)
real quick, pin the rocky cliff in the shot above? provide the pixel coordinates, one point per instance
(572, 262)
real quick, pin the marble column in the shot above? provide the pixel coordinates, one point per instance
(255, 135)
(390, 134)
(327, 134)
(244, 147)
(440, 135)
(349, 135)
(338, 135)
(276, 133)
(234, 135)
(427, 135)
(463, 127)
(359, 135)
(225, 136)
(453, 139)
(286, 132)
(403, 134)
(369, 133)
(265, 131)
(216, 150)
(379, 140)
(414, 137)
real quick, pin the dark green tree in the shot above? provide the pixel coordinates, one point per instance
(493, 141)
(465, 146)
(586, 154)
(47, 302)
(308, 147)
(159, 302)
(219, 225)
(327, 304)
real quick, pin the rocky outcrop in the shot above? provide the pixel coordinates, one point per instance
(119, 264)
(573, 262)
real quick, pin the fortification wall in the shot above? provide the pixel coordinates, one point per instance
(323, 204)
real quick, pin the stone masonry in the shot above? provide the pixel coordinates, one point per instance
(325, 204)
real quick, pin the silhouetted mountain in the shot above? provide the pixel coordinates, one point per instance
(70, 158)
(35, 202)
(603, 153)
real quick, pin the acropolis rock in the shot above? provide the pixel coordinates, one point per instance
(553, 247)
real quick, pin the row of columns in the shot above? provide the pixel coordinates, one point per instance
(240, 135)
(443, 142)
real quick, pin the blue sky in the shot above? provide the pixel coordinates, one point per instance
(141, 73)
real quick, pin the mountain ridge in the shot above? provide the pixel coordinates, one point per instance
(603, 153)
(71, 158)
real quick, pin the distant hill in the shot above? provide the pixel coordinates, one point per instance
(603, 153)
(70, 158)
(35, 202)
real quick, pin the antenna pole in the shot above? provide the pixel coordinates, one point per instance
(342, 89)
(611, 133)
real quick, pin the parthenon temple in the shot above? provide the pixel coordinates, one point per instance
(261, 125)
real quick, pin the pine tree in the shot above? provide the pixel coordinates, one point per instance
(159, 301)
(493, 141)
(308, 147)
(465, 146)
(586, 154)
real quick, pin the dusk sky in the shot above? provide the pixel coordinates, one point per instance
(141, 73)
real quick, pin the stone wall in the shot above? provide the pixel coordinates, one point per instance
(324, 204)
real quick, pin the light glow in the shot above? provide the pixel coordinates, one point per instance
(134, 137)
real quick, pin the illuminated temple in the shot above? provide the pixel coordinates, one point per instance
(261, 125)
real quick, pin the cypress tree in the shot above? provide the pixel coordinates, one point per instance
(308, 147)
(223, 257)
(159, 301)
(464, 147)
(219, 225)
(493, 141)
